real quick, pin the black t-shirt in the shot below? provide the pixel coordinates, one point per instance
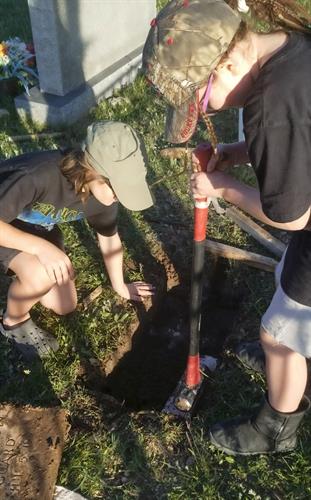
(33, 189)
(277, 127)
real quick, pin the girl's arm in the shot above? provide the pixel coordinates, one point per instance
(221, 185)
(112, 252)
(226, 156)
(233, 154)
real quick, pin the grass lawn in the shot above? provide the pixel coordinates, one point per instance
(120, 445)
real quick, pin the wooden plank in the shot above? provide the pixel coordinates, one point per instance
(275, 246)
(175, 153)
(250, 258)
(29, 137)
(91, 297)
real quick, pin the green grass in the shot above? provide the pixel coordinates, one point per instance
(114, 453)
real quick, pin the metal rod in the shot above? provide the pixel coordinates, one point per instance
(196, 295)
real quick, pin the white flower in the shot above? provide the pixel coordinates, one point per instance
(15, 63)
(242, 6)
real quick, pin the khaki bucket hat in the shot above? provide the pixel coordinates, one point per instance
(184, 45)
(116, 151)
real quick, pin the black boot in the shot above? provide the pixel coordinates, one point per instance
(251, 355)
(269, 431)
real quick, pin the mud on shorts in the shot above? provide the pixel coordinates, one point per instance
(54, 236)
(288, 321)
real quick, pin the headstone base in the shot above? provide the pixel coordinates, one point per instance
(54, 110)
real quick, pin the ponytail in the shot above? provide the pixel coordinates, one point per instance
(276, 14)
(75, 167)
(285, 14)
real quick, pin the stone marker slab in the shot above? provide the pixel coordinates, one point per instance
(31, 446)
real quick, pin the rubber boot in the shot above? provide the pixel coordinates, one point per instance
(29, 339)
(268, 431)
(251, 355)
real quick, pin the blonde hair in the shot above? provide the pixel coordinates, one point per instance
(77, 170)
(286, 14)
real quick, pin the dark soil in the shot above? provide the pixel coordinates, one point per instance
(146, 375)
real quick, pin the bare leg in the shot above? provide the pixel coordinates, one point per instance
(286, 373)
(32, 285)
(61, 299)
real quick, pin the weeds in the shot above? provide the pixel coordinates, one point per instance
(112, 452)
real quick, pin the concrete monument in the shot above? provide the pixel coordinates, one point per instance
(84, 49)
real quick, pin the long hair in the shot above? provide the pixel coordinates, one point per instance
(285, 14)
(276, 14)
(75, 167)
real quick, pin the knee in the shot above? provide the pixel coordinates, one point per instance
(38, 280)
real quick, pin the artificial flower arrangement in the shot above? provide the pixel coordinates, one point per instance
(17, 60)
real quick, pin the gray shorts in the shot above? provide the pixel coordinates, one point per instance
(288, 321)
(54, 236)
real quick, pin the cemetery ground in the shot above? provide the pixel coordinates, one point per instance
(119, 361)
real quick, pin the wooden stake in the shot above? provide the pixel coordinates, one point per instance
(175, 153)
(29, 137)
(91, 297)
(250, 258)
(275, 246)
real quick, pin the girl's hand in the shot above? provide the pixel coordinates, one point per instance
(205, 159)
(220, 160)
(225, 156)
(138, 290)
(56, 263)
(210, 185)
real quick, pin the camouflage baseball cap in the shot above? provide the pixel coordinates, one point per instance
(117, 152)
(184, 45)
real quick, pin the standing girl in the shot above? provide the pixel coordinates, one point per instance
(202, 56)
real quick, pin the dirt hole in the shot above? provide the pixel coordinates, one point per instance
(147, 375)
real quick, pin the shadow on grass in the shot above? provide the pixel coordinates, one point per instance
(146, 370)
(103, 388)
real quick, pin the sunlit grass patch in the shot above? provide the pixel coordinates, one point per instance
(114, 452)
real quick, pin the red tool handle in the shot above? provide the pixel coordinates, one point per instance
(193, 374)
(200, 219)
